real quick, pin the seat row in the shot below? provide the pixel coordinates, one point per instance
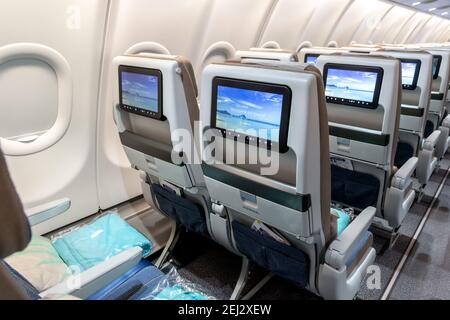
(286, 163)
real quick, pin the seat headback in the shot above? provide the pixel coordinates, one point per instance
(363, 102)
(267, 54)
(15, 232)
(310, 55)
(239, 102)
(416, 78)
(441, 73)
(155, 103)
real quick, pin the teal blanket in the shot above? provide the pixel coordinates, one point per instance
(99, 241)
(343, 221)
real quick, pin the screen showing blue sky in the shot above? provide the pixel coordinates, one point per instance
(408, 72)
(351, 85)
(311, 59)
(241, 110)
(140, 91)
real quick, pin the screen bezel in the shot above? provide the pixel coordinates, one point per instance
(283, 90)
(376, 96)
(316, 55)
(413, 86)
(140, 111)
(438, 66)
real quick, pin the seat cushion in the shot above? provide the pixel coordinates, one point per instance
(40, 264)
(22, 283)
(131, 283)
(354, 189)
(404, 152)
(429, 129)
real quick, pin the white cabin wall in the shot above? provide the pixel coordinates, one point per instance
(391, 25)
(75, 28)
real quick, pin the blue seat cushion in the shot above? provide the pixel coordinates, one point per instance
(354, 189)
(143, 276)
(429, 129)
(29, 289)
(404, 152)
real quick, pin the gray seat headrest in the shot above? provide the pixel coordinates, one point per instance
(15, 232)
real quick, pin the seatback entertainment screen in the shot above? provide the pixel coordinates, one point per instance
(311, 58)
(410, 73)
(252, 112)
(353, 85)
(437, 60)
(141, 91)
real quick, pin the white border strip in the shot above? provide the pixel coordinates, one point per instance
(413, 241)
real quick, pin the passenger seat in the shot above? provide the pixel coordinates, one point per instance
(293, 200)
(364, 137)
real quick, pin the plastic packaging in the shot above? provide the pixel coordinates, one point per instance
(171, 287)
(88, 245)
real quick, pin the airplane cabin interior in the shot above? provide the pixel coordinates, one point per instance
(232, 150)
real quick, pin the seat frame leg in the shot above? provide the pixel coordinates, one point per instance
(242, 280)
(258, 287)
(174, 235)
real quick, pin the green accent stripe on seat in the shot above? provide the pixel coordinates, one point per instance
(296, 202)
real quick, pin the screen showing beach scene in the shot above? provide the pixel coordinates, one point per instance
(311, 59)
(351, 85)
(248, 111)
(140, 91)
(408, 73)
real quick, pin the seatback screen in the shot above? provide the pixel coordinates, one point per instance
(141, 91)
(311, 58)
(410, 73)
(253, 112)
(437, 60)
(353, 85)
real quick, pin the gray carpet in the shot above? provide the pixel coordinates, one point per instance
(426, 273)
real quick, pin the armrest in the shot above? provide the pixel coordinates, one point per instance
(404, 174)
(446, 122)
(430, 143)
(47, 211)
(341, 249)
(90, 281)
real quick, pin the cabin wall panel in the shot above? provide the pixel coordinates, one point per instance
(75, 28)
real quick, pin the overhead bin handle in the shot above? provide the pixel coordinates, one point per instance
(63, 72)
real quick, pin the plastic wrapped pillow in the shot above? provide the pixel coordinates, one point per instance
(99, 241)
(40, 264)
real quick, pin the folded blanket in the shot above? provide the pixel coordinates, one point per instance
(99, 241)
(343, 220)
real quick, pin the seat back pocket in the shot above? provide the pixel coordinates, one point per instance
(285, 261)
(182, 210)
